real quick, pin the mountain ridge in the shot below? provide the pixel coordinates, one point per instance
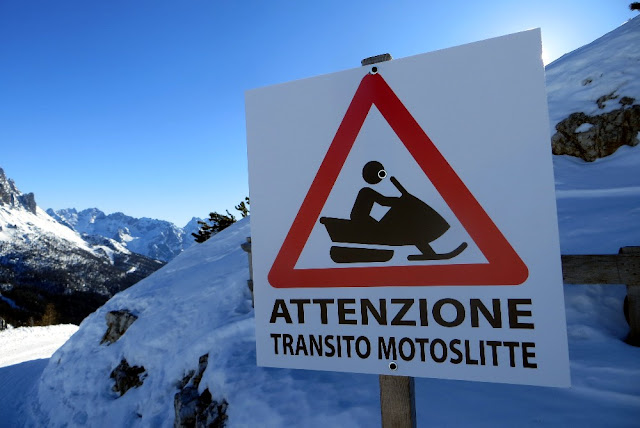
(157, 239)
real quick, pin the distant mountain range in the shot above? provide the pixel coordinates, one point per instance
(61, 266)
(157, 239)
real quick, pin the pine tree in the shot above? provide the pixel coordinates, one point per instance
(218, 222)
(243, 208)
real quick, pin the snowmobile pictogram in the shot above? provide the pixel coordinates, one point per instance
(409, 221)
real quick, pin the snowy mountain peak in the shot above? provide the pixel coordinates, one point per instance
(12, 197)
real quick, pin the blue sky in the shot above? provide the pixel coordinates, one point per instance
(138, 106)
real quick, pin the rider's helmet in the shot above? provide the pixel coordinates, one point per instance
(373, 172)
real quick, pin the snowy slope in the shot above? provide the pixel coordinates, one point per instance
(30, 343)
(20, 224)
(597, 201)
(609, 65)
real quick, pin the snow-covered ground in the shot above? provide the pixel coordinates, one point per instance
(598, 202)
(30, 343)
(24, 353)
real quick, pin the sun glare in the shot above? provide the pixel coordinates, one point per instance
(545, 57)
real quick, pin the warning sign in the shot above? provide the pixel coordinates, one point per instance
(403, 219)
(409, 221)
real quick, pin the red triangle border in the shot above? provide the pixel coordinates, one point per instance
(504, 267)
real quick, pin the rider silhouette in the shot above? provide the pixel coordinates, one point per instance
(373, 173)
(409, 221)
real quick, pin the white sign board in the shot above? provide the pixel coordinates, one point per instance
(403, 219)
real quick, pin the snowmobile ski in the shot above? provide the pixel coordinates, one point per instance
(359, 255)
(435, 256)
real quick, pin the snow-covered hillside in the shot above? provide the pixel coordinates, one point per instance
(607, 66)
(597, 202)
(30, 343)
(157, 239)
(21, 221)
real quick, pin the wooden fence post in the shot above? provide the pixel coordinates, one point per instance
(629, 268)
(621, 268)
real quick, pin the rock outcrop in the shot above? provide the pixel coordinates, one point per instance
(198, 410)
(593, 137)
(11, 196)
(117, 324)
(127, 377)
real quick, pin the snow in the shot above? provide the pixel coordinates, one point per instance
(29, 343)
(16, 383)
(24, 353)
(199, 303)
(583, 128)
(607, 66)
(20, 224)
(598, 202)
